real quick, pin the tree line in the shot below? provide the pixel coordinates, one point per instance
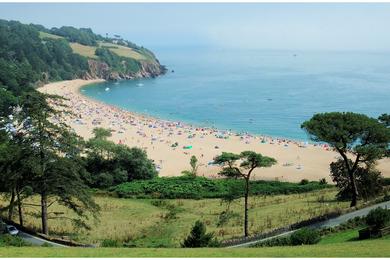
(40, 156)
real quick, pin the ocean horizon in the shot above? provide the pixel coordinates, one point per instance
(263, 92)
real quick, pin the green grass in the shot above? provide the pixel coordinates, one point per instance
(377, 248)
(124, 51)
(83, 50)
(89, 51)
(44, 35)
(345, 236)
(138, 222)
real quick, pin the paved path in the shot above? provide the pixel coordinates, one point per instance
(327, 223)
(37, 241)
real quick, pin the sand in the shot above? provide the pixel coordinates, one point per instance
(296, 161)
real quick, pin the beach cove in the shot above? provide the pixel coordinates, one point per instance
(171, 143)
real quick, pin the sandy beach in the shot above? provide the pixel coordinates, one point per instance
(171, 144)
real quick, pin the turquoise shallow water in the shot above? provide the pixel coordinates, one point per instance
(262, 92)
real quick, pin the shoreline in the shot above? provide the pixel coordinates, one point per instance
(153, 117)
(157, 136)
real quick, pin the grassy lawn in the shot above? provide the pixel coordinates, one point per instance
(371, 248)
(346, 236)
(142, 224)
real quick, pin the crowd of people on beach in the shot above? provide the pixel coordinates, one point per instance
(152, 131)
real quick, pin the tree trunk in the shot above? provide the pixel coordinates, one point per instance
(354, 189)
(246, 207)
(45, 229)
(20, 211)
(11, 205)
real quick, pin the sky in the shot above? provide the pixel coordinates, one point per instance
(305, 26)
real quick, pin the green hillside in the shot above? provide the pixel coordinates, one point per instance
(31, 55)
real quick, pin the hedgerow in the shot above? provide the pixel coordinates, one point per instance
(200, 187)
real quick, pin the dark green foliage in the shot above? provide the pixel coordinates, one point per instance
(304, 182)
(378, 218)
(200, 187)
(365, 140)
(110, 243)
(385, 119)
(199, 238)
(385, 181)
(323, 181)
(112, 164)
(277, 241)
(8, 240)
(116, 62)
(26, 59)
(305, 236)
(369, 181)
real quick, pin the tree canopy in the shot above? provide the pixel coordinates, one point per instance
(358, 138)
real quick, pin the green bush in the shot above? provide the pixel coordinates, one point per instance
(386, 181)
(323, 181)
(110, 243)
(9, 240)
(378, 218)
(277, 241)
(197, 188)
(305, 236)
(304, 182)
(199, 238)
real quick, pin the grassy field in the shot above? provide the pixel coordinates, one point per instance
(371, 248)
(83, 50)
(44, 35)
(123, 51)
(144, 223)
(89, 51)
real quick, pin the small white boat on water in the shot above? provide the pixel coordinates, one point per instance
(140, 84)
(107, 89)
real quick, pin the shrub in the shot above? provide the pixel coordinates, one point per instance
(369, 181)
(378, 218)
(277, 241)
(225, 216)
(197, 188)
(305, 236)
(386, 181)
(199, 238)
(110, 243)
(304, 182)
(323, 181)
(9, 240)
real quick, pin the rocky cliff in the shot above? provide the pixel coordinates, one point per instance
(100, 69)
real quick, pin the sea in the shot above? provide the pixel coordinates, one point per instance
(265, 92)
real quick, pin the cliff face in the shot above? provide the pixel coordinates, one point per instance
(100, 69)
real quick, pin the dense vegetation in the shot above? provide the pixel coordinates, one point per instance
(360, 140)
(197, 188)
(25, 59)
(111, 164)
(116, 62)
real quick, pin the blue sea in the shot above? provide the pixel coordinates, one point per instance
(257, 91)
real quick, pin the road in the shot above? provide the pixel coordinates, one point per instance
(327, 223)
(36, 241)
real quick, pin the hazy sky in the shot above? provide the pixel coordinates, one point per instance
(261, 25)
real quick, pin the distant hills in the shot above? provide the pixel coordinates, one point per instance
(31, 55)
